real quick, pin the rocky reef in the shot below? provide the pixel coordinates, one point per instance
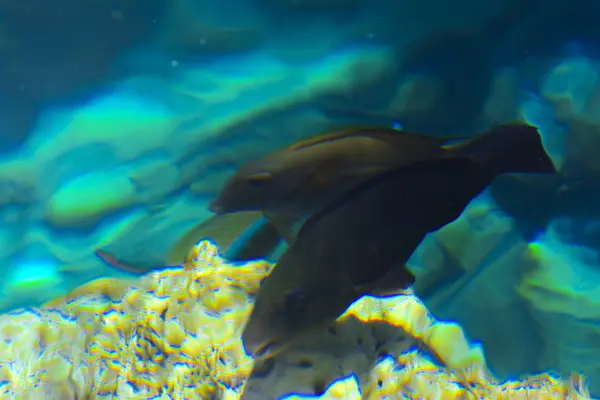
(176, 334)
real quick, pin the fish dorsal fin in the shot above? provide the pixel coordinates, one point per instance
(328, 171)
(387, 134)
(339, 134)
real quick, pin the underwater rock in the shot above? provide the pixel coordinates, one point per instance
(239, 95)
(154, 179)
(481, 218)
(18, 183)
(349, 347)
(448, 255)
(131, 124)
(456, 65)
(176, 333)
(573, 86)
(85, 200)
(582, 148)
(416, 96)
(560, 288)
(502, 104)
(573, 89)
(75, 162)
(540, 112)
(453, 60)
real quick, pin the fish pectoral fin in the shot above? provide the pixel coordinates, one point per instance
(287, 225)
(259, 241)
(394, 282)
(222, 229)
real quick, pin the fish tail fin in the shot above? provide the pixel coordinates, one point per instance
(508, 148)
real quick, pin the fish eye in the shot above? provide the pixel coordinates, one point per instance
(295, 301)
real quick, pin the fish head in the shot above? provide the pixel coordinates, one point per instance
(292, 301)
(268, 184)
(243, 192)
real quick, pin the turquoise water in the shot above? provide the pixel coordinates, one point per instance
(120, 121)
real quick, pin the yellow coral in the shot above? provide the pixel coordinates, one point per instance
(175, 334)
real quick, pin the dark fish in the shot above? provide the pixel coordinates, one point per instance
(359, 243)
(303, 177)
(240, 237)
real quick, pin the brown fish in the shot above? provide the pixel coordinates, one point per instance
(303, 177)
(360, 242)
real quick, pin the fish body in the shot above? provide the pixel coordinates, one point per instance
(359, 243)
(300, 179)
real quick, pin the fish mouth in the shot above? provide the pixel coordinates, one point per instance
(266, 350)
